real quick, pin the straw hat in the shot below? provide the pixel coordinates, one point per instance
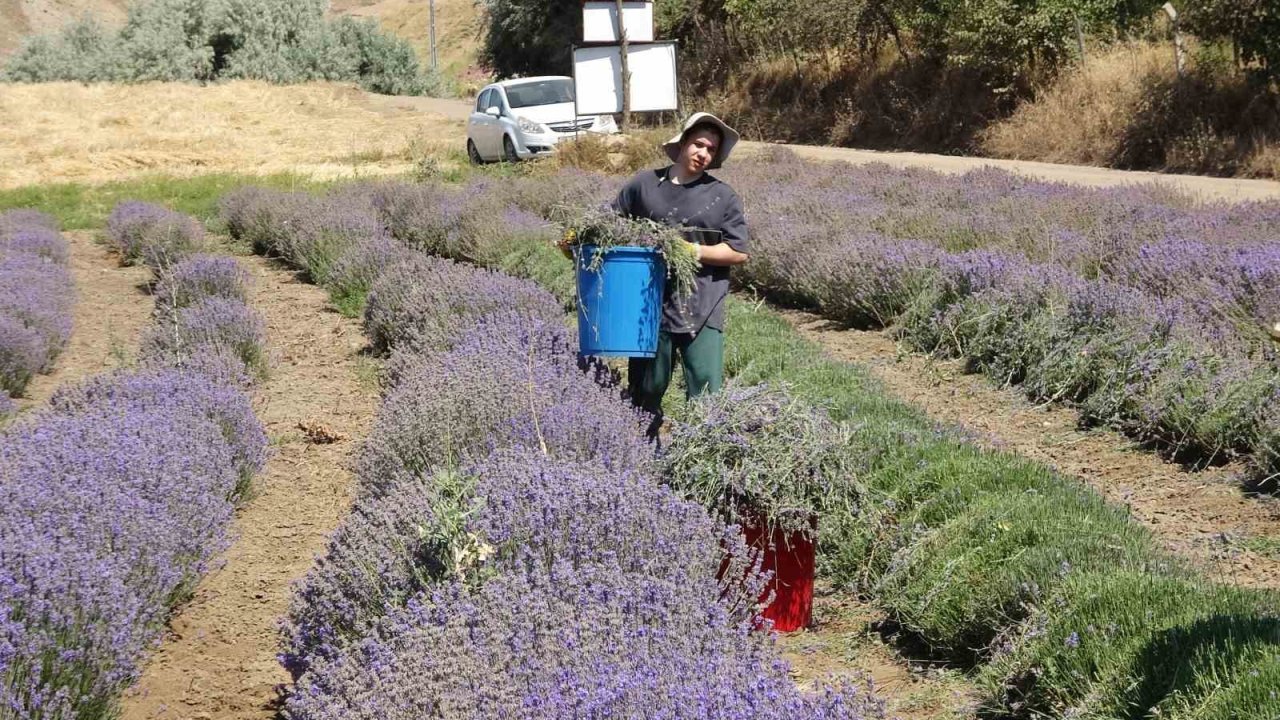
(730, 138)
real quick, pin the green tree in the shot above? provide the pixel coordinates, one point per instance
(530, 37)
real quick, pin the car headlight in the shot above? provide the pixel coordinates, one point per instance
(529, 126)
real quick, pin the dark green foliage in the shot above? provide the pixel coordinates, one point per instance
(281, 41)
(1252, 26)
(530, 37)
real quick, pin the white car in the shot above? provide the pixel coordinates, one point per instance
(519, 119)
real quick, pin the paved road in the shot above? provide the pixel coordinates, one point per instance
(1230, 189)
(1204, 187)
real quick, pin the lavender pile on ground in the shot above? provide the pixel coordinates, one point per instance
(114, 500)
(36, 297)
(156, 236)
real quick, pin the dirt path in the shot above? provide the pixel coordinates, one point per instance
(219, 660)
(844, 643)
(1205, 188)
(111, 311)
(1201, 515)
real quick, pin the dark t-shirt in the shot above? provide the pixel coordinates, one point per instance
(705, 203)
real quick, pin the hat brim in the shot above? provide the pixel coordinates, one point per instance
(729, 138)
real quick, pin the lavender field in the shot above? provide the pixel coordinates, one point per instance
(36, 295)
(470, 582)
(115, 498)
(1148, 312)
(518, 548)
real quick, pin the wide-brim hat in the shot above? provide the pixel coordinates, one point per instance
(729, 138)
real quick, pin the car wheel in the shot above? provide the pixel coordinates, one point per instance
(473, 154)
(509, 150)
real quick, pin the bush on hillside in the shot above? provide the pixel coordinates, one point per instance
(280, 41)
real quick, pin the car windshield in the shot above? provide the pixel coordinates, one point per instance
(547, 92)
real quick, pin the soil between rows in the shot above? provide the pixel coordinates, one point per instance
(218, 659)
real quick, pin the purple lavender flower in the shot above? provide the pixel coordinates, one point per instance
(199, 277)
(40, 241)
(154, 235)
(429, 303)
(211, 326)
(36, 297)
(106, 519)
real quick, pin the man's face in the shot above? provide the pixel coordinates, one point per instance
(699, 150)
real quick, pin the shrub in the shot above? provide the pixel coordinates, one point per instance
(211, 326)
(428, 303)
(1108, 642)
(108, 519)
(457, 406)
(199, 277)
(36, 299)
(153, 235)
(213, 397)
(281, 41)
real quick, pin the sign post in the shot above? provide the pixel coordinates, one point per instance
(620, 68)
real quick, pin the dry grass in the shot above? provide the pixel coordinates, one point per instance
(64, 132)
(1127, 108)
(614, 153)
(1082, 119)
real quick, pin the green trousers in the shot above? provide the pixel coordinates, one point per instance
(702, 358)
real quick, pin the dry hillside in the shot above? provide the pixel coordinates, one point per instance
(457, 28)
(20, 18)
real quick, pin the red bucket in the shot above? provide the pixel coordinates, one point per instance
(790, 557)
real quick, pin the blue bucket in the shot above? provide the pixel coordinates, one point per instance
(620, 303)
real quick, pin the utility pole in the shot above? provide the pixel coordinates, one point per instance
(1080, 38)
(626, 72)
(434, 60)
(1179, 50)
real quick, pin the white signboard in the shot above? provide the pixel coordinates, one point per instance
(597, 78)
(600, 22)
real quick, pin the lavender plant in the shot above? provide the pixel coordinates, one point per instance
(428, 303)
(215, 397)
(36, 297)
(211, 326)
(107, 518)
(607, 644)
(199, 277)
(151, 234)
(486, 393)
(35, 240)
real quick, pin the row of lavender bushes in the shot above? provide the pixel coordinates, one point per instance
(37, 294)
(115, 498)
(982, 555)
(512, 552)
(1144, 310)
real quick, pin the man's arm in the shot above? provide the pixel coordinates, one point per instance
(735, 247)
(722, 254)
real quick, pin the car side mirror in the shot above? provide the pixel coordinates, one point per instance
(494, 111)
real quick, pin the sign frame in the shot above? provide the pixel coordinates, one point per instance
(655, 62)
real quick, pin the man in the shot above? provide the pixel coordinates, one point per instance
(684, 195)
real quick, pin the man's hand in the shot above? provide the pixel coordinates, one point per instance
(565, 243)
(721, 255)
